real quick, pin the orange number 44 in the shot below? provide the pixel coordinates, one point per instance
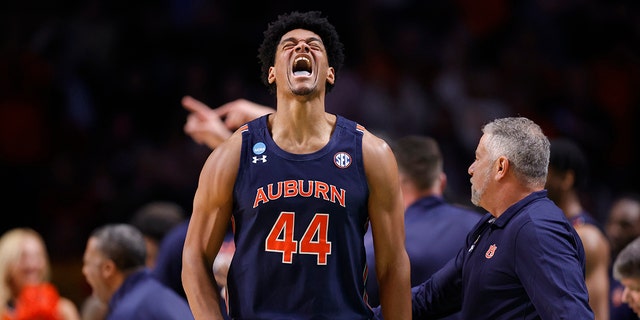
(314, 240)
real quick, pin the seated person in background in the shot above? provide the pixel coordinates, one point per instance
(114, 267)
(626, 269)
(25, 290)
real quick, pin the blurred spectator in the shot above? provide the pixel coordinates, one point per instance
(114, 267)
(626, 269)
(168, 268)
(169, 261)
(155, 219)
(25, 290)
(622, 227)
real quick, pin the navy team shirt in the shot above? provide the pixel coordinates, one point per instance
(142, 296)
(527, 264)
(168, 268)
(299, 222)
(435, 231)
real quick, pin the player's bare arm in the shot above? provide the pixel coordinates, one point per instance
(597, 252)
(209, 222)
(386, 213)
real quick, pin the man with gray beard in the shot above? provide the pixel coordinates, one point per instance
(523, 260)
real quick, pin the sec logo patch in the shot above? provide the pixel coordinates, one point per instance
(342, 160)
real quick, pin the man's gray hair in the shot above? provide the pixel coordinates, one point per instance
(122, 243)
(627, 263)
(523, 143)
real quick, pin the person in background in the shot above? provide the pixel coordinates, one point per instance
(25, 290)
(168, 268)
(316, 267)
(568, 173)
(155, 219)
(626, 270)
(523, 259)
(622, 227)
(169, 261)
(435, 230)
(114, 267)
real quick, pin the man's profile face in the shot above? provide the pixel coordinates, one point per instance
(480, 171)
(93, 263)
(631, 293)
(623, 224)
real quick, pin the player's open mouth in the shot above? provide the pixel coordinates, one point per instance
(302, 67)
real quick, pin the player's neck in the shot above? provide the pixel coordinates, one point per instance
(301, 131)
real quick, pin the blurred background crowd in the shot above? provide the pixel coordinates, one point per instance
(91, 121)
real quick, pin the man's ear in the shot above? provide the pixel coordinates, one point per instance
(271, 77)
(331, 75)
(442, 179)
(108, 268)
(502, 167)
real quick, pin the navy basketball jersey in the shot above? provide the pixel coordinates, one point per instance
(299, 222)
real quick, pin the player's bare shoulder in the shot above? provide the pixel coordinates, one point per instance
(375, 148)
(378, 158)
(593, 240)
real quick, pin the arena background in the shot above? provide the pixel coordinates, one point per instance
(91, 121)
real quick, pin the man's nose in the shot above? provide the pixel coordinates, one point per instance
(302, 47)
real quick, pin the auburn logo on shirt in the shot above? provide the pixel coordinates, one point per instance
(492, 251)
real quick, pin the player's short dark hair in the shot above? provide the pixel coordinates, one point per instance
(155, 219)
(566, 155)
(419, 158)
(312, 21)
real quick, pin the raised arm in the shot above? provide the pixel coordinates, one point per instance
(203, 124)
(213, 126)
(212, 207)
(240, 111)
(386, 213)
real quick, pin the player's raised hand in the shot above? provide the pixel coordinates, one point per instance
(204, 125)
(240, 111)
